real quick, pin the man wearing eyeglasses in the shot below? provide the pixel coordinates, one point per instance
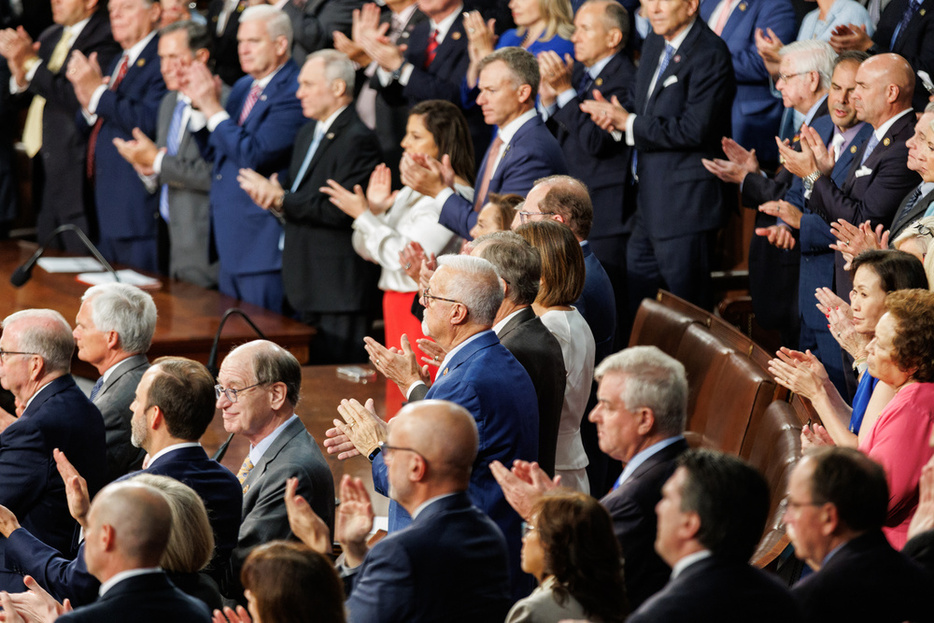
(257, 391)
(35, 364)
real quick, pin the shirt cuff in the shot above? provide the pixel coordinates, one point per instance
(444, 195)
(408, 392)
(96, 98)
(406, 73)
(216, 119)
(564, 97)
(157, 162)
(630, 139)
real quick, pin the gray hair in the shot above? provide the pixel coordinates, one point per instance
(274, 364)
(277, 21)
(812, 55)
(125, 309)
(48, 335)
(516, 261)
(522, 65)
(337, 66)
(653, 380)
(477, 286)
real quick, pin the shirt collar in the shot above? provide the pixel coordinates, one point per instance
(445, 25)
(809, 117)
(137, 48)
(595, 69)
(33, 397)
(848, 135)
(689, 560)
(265, 80)
(428, 503)
(257, 451)
(882, 129)
(172, 448)
(644, 455)
(509, 130)
(498, 327)
(457, 348)
(681, 36)
(324, 126)
(75, 29)
(125, 575)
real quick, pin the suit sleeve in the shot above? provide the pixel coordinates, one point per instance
(383, 589)
(597, 142)
(63, 578)
(184, 171)
(758, 189)
(267, 142)
(135, 112)
(24, 466)
(457, 214)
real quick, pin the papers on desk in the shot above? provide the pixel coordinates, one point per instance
(126, 276)
(69, 264)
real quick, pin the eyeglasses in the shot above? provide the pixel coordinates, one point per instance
(230, 392)
(525, 216)
(787, 77)
(387, 451)
(4, 353)
(527, 529)
(427, 296)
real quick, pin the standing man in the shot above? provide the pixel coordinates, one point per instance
(113, 332)
(50, 132)
(112, 107)
(683, 96)
(326, 282)
(223, 22)
(173, 167)
(255, 131)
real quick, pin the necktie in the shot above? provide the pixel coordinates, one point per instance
(92, 140)
(837, 144)
(583, 87)
(724, 16)
(909, 206)
(870, 146)
(913, 6)
(491, 155)
(250, 102)
(431, 48)
(97, 388)
(32, 131)
(172, 140)
(662, 66)
(316, 141)
(245, 470)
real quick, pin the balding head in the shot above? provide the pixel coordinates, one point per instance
(884, 87)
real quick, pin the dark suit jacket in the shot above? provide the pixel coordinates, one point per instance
(680, 122)
(60, 416)
(247, 236)
(866, 580)
(756, 112)
(533, 345)
(591, 153)
(144, 598)
(915, 43)
(449, 565)
(920, 549)
(69, 578)
(532, 153)
(632, 508)
(597, 304)
(125, 209)
(719, 590)
(904, 219)
(321, 271)
(313, 24)
(113, 400)
(226, 58)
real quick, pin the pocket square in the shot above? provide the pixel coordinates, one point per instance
(863, 171)
(670, 80)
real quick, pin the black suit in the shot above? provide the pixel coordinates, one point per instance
(632, 508)
(915, 42)
(324, 278)
(226, 58)
(920, 548)
(533, 345)
(866, 580)
(904, 219)
(713, 589)
(144, 598)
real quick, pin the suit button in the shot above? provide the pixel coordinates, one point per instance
(219, 177)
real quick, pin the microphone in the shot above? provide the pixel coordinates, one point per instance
(212, 363)
(23, 273)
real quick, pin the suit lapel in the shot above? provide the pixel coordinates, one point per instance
(333, 132)
(271, 452)
(523, 316)
(678, 60)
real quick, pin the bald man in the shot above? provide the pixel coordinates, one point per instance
(126, 534)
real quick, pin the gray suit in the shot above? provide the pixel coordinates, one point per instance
(293, 453)
(191, 254)
(113, 400)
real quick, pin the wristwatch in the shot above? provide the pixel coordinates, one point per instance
(374, 453)
(809, 181)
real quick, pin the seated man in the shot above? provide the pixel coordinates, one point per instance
(837, 501)
(451, 563)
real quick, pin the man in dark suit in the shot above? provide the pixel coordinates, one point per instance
(837, 501)
(916, 203)
(326, 282)
(683, 95)
(173, 407)
(113, 332)
(223, 18)
(173, 166)
(256, 131)
(37, 346)
(111, 108)
(522, 151)
(258, 389)
(50, 131)
(451, 563)
(710, 518)
(601, 33)
(524, 335)
(640, 415)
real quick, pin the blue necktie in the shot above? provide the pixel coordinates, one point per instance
(909, 205)
(583, 87)
(97, 388)
(172, 141)
(669, 53)
(307, 161)
(870, 146)
(913, 6)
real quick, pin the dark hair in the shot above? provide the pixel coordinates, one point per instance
(516, 261)
(184, 390)
(897, 270)
(730, 497)
(857, 56)
(569, 197)
(506, 206)
(293, 584)
(563, 269)
(582, 553)
(198, 36)
(449, 128)
(853, 483)
(913, 346)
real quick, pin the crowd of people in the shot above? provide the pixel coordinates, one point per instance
(512, 184)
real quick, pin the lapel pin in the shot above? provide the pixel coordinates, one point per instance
(329, 136)
(598, 82)
(742, 6)
(262, 98)
(141, 62)
(886, 141)
(922, 12)
(677, 58)
(445, 373)
(853, 149)
(246, 488)
(455, 36)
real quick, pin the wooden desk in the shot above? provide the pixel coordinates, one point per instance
(188, 315)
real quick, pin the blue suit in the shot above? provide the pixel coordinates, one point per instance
(532, 153)
(247, 236)
(484, 378)
(597, 304)
(449, 565)
(64, 578)
(757, 113)
(126, 212)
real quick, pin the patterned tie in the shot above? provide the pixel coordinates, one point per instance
(92, 140)
(431, 48)
(32, 131)
(583, 87)
(302, 170)
(172, 141)
(909, 205)
(250, 102)
(724, 16)
(491, 155)
(870, 146)
(245, 470)
(913, 6)
(97, 388)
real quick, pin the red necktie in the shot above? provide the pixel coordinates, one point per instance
(431, 48)
(92, 140)
(250, 102)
